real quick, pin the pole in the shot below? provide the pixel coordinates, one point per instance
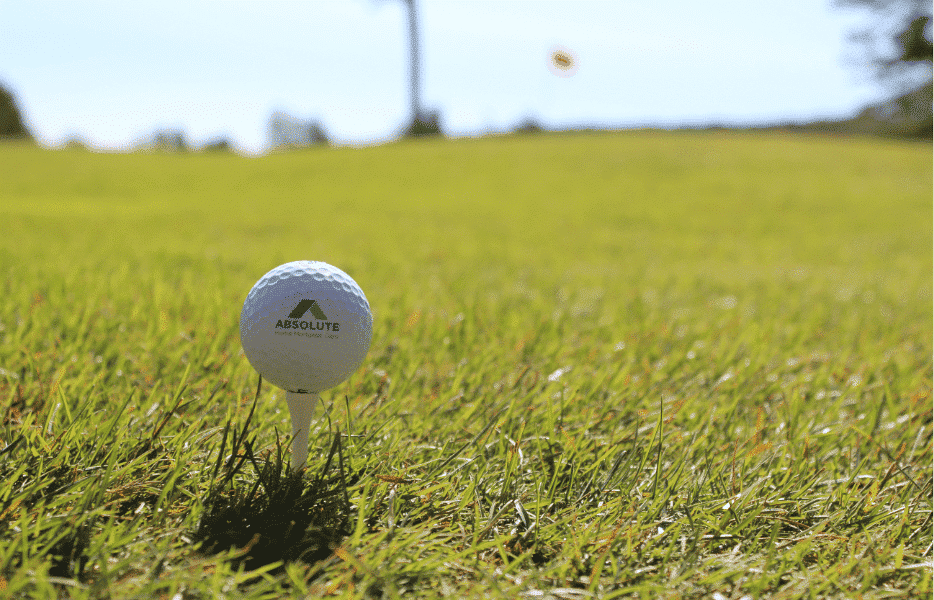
(414, 62)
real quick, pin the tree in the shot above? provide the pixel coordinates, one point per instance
(897, 45)
(897, 48)
(220, 144)
(170, 140)
(11, 121)
(286, 132)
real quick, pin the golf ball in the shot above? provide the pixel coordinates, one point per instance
(306, 326)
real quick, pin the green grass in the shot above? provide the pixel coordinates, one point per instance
(637, 365)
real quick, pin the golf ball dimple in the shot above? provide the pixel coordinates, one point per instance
(306, 326)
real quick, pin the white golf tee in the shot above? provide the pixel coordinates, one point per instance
(302, 409)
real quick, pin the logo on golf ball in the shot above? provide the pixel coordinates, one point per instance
(295, 322)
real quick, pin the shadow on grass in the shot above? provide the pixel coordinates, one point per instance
(284, 515)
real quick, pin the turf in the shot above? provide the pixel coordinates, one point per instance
(603, 365)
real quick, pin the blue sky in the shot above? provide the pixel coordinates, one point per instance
(112, 72)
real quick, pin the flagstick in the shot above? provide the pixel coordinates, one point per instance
(302, 408)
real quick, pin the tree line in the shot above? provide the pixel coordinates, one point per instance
(895, 46)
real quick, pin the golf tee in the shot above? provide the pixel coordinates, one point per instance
(302, 408)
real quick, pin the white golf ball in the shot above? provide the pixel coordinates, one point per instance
(306, 326)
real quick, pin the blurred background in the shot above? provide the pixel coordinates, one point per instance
(255, 76)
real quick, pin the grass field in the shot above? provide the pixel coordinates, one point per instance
(603, 366)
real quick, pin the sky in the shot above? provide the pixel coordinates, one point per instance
(110, 73)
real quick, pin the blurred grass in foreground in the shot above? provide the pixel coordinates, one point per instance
(650, 364)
